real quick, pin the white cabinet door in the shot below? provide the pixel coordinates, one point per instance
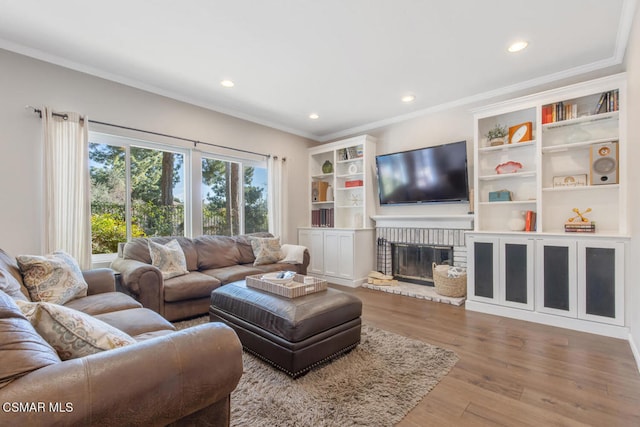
(346, 253)
(339, 254)
(556, 277)
(517, 272)
(601, 281)
(313, 240)
(483, 268)
(331, 255)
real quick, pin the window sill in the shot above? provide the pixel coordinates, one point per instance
(102, 260)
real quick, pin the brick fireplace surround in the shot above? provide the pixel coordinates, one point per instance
(423, 230)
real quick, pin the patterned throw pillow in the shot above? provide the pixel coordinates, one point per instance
(266, 250)
(52, 278)
(70, 332)
(169, 258)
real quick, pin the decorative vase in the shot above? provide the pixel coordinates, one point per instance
(516, 223)
(329, 193)
(327, 167)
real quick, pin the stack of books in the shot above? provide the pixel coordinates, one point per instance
(580, 227)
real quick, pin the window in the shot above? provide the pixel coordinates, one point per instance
(136, 191)
(233, 203)
(139, 189)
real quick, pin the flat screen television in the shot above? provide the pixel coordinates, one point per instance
(435, 174)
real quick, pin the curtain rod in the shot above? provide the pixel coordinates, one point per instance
(195, 142)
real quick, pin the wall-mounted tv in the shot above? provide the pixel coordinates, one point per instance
(426, 175)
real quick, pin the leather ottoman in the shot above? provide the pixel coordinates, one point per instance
(294, 334)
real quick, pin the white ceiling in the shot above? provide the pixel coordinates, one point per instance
(349, 61)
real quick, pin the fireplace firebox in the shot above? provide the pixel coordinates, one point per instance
(413, 262)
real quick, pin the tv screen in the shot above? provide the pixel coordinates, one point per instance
(425, 175)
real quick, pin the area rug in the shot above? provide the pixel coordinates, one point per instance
(376, 384)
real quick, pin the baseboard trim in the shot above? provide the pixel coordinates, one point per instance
(635, 351)
(612, 331)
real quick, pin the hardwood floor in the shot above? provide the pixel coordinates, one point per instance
(511, 372)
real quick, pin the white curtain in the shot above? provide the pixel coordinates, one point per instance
(67, 205)
(277, 196)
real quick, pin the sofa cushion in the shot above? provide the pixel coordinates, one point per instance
(70, 332)
(105, 302)
(244, 246)
(169, 258)
(54, 278)
(138, 249)
(193, 285)
(11, 286)
(266, 250)
(216, 251)
(268, 268)
(136, 321)
(22, 349)
(232, 273)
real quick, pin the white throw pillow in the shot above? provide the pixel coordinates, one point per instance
(70, 332)
(169, 258)
(266, 250)
(52, 278)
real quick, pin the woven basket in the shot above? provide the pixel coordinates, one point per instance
(448, 286)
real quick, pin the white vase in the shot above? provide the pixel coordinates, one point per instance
(329, 193)
(516, 222)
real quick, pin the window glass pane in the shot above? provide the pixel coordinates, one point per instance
(157, 192)
(108, 193)
(220, 197)
(255, 200)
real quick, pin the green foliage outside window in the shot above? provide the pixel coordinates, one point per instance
(107, 230)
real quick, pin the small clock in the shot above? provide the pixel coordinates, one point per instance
(520, 133)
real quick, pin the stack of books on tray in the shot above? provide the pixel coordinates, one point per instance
(580, 227)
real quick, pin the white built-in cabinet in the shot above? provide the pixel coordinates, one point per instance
(568, 279)
(340, 234)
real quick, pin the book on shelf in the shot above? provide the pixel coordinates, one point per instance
(608, 102)
(580, 227)
(530, 221)
(322, 217)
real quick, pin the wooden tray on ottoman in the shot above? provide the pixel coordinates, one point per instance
(296, 288)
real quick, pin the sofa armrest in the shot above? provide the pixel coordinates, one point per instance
(100, 280)
(153, 382)
(143, 281)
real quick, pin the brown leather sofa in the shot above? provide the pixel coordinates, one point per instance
(212, 261)
(167, 377)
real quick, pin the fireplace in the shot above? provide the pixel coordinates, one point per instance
(413, 262)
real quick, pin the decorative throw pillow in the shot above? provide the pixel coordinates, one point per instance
(10, 286)
(169, 258)
(70, 332)
(266, 250)
(22, 350)
(52, 278)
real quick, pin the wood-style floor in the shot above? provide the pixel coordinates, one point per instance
(511, 372)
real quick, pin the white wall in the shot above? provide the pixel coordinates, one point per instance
(27, 81)
(633, 132)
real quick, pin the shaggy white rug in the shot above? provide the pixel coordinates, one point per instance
(376, 384)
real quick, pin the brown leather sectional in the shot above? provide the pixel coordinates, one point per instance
(166, 377)
(212, 261)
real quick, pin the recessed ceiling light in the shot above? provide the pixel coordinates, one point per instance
(227, 83)
(518, 46)
(313, 116)
(408, 98)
